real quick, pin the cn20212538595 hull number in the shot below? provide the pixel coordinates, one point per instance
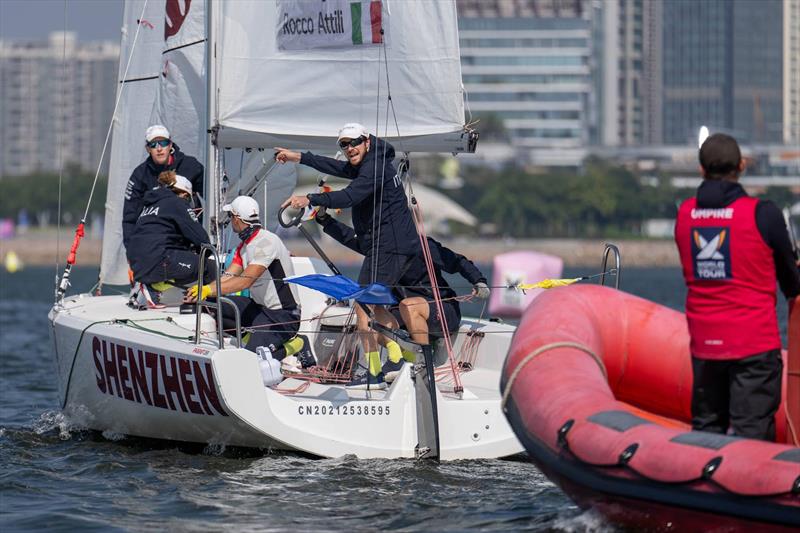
(343, 410)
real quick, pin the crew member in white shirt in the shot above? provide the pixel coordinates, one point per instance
(261, 263)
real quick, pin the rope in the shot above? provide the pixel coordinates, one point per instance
(417, 217)
(75, 357)
(134, 325)
(114, 114)
(540, 350)
(426, 254)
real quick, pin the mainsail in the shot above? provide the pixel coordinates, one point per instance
(287, 75)
(270, 87)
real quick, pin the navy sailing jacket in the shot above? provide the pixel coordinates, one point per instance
(145, 177)
(376, 197)
(164, 224)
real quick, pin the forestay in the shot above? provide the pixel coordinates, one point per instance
(278, 86)
(139, 91)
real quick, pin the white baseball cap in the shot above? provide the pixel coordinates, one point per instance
(243, 207)
(183, 184)
(352, 130)
(156, 131)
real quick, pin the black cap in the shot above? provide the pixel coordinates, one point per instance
(720, 156)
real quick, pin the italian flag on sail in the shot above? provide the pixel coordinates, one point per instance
(367, 22)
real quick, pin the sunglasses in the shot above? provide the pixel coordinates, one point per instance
(163, 143)
(351, 143)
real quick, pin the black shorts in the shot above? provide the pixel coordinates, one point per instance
(271, 327)
(452, 315)
(180, 267)
(386, 269)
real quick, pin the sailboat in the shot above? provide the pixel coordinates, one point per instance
(231, 80)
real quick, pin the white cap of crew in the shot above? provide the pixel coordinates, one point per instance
(155, 131)
(243, 207)
(183, 184)
(352, 130)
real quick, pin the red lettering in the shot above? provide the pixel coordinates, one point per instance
(206, 388)
(122, 366)
(151, 362)
(99, 377)
(188, 387)
(138, 376)
(110, 365)
(172, 385)
(175, 17)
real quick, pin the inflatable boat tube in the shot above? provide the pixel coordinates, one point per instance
(597, 386)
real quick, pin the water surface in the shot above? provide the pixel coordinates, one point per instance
(60, 477)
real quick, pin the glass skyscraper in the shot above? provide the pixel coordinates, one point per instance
(528, 64)
(722, 67)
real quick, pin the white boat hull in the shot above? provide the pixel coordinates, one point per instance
(138, 373)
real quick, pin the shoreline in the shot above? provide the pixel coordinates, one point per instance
(40, 248)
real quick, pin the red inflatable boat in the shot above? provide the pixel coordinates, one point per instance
(597, 386)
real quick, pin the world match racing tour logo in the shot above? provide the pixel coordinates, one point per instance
(159, 380)
(711, 252)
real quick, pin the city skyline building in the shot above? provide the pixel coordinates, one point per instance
(629, 67)
(528, 63)
(722, 68)
(56, 101)
(791, 72)
(562, 78)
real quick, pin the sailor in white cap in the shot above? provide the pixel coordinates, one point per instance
(163, 154)
(382, 221)
(261, 263)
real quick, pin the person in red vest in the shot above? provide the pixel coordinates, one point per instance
(733, 250)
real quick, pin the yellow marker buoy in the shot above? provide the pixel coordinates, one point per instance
(12, 262)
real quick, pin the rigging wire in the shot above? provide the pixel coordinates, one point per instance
(79, 231)
(416, 214)
(374, 243)
(60, 150)
(116, 106)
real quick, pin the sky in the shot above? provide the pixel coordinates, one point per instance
(92, 20)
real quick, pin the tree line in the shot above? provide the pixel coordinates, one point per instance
(37, 195)
(598, 200)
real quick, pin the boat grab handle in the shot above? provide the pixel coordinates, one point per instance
(611, 248)
(219, 301)
(294, 221)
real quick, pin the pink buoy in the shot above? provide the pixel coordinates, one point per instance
(6, 228)
(513, 268)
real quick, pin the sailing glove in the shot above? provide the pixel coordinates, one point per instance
(205, 292)
(481, 290)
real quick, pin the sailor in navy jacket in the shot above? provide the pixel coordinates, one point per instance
(165, 238)
(145, 177)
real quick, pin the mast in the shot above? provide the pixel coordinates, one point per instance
(211, 159)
